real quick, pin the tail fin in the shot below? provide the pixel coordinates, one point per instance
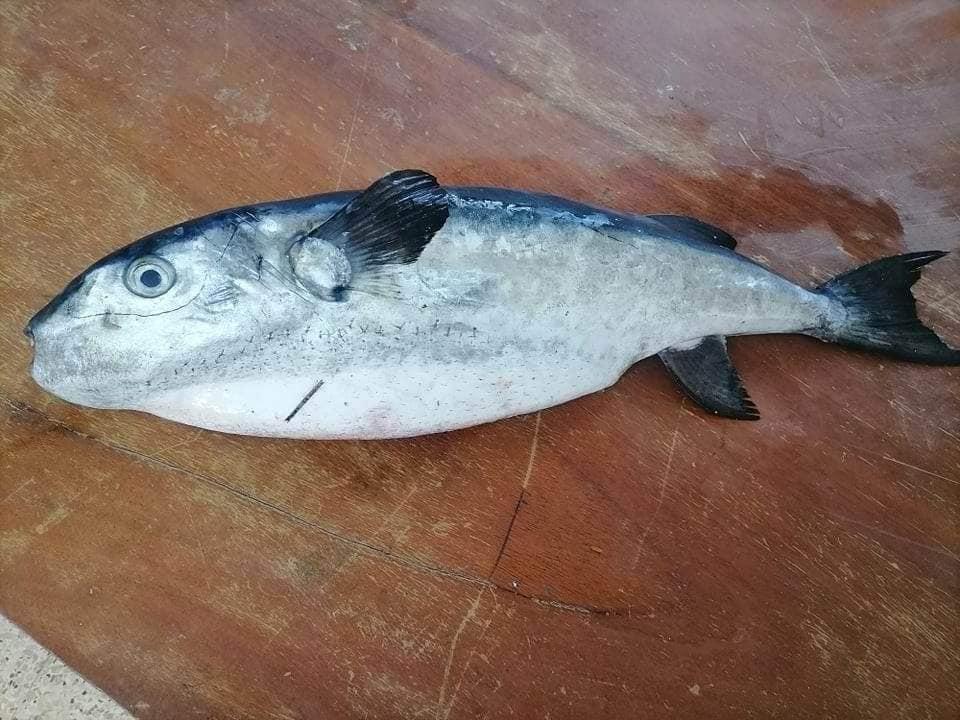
(881, 313)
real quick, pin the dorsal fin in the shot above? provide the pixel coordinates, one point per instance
(696, 229)
(705, 372)
(389, 223)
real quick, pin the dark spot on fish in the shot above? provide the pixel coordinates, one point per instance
(246, 215)
(109, 320)
(150, 278)
(304, 401)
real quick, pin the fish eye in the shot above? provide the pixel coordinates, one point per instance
(149, 276)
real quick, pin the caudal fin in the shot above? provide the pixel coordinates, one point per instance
(881, 313)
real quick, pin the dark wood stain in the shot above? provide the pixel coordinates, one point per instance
(620, 556)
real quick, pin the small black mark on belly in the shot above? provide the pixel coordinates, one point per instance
(304, 401)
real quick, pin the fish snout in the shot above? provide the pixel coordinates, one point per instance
(34, 329)
(60, 305)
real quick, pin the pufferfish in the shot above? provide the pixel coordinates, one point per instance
(410, 308)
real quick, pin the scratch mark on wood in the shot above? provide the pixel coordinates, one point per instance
(17, 489)
(473, 653)
(823, 151)
(583, 609)
(861, 420)
(304, 401)
(823, 58)
(466, 666)
(920, 469)
(752, 151)
(523, 491)
(444, 712)
(393, 513)
(192, 439)
(663, 490)
(948, 433)
(533, 451)
(880, 531)
(353, 120)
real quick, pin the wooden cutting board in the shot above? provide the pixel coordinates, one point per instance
(622, 556)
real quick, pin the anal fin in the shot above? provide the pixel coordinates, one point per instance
(706, 374)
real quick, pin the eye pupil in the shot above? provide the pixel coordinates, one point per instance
(150, 278)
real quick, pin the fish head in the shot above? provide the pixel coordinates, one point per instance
(149, 316)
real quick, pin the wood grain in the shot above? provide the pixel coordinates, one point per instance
(621, 556)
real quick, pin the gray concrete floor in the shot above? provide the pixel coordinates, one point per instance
(36, 685)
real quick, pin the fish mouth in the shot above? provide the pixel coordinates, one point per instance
(58, 371)
(52, 337)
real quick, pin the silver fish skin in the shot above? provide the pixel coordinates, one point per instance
(518, 302)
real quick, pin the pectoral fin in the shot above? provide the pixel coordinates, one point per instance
(388, 224)
(705, 372)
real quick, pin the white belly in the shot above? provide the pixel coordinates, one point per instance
(389, 402)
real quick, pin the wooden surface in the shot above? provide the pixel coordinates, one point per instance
(623, 556)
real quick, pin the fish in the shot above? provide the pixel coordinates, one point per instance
(411, 308)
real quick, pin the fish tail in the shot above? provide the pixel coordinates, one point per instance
(878, 311)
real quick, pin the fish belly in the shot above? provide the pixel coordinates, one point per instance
(402, 400)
